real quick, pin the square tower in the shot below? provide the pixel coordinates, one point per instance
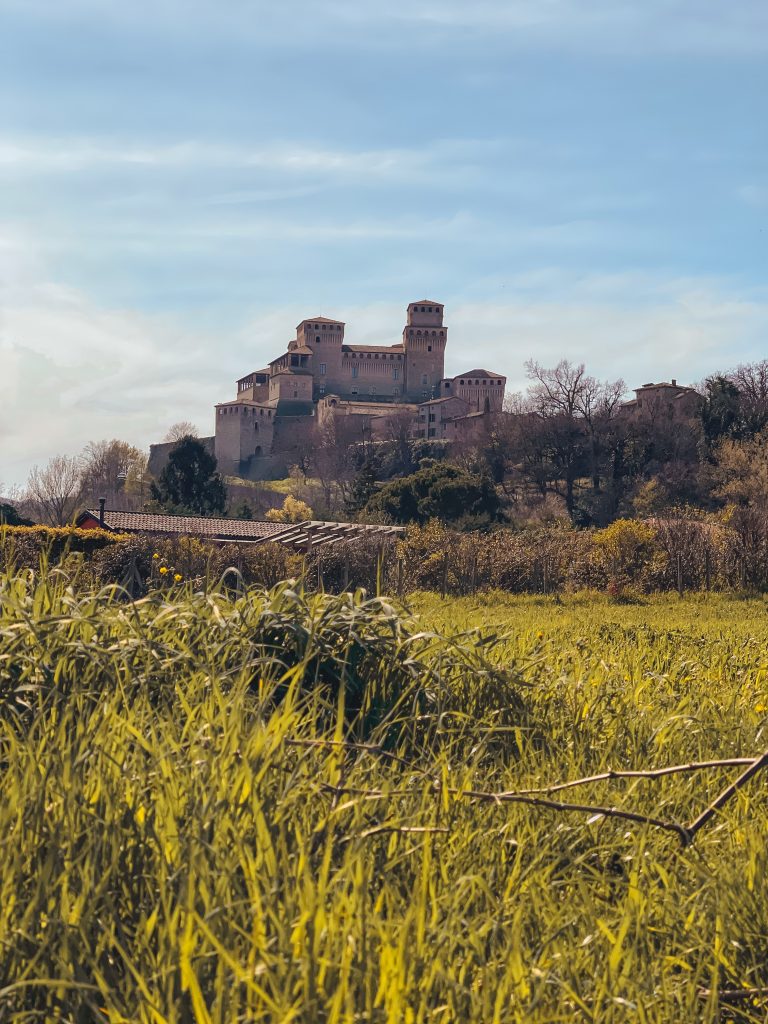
(424, 338)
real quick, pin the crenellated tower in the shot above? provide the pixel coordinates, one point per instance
(424, 338)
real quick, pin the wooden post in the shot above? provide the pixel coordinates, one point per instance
(379, 567)
(680, 574)
(444, 581)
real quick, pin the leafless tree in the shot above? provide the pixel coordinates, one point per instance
(55, 491)
(181, 429)
(114, 470)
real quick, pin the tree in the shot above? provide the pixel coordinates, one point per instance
(10, 516)
(180, 430)
(189, 483)
(721, 410)
(114, 470)
(569, 432)
(437, 491)
(55, 491)
(362, 489)
(293, 511)
(741, 474)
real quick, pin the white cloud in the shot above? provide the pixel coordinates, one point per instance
(708, 27)
(450, 158)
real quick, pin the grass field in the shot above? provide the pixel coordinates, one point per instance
(278, 807)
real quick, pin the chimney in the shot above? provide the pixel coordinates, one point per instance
(102, 504)
(674, 383)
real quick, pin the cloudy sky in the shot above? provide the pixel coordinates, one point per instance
(182, 181)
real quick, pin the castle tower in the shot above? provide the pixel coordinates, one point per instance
(424, 338)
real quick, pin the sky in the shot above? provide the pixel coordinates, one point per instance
(183, 181)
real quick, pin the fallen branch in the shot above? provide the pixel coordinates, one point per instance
(757, 765)
(641, 773)
(538, 798)
(735, 995)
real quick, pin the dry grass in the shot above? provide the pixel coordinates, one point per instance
(188, 835)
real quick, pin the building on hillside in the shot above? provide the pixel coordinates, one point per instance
(277, 409)
(663, 403)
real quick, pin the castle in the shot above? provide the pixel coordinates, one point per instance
(278, 409)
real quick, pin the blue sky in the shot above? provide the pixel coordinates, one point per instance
(180, 183)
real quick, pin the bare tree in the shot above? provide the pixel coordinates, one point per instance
(55, 491)
(114, 470)
(180, 430)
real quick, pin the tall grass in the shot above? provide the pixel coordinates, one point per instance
(221, 808)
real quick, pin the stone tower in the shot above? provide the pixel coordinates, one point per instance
(424, 337)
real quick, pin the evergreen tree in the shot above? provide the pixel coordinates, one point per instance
(362, 489)
(10, 516)
(190, 483)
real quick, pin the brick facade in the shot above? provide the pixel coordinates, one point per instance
(320, 375)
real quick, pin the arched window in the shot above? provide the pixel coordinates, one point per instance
(317, 338)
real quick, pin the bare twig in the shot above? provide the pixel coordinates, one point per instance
(642, 773)
(556, 805)
(735, 995)
(418, 829)
(538, 797)
(755, 766)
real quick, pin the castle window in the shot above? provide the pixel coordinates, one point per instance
(295, 393)
(317, 327)
(354, 371)
(354, 391)
(430, 309)
(395, 390)
(461, 382)
(424, 379)
(322, 389)
(317, 338)
(396, 374)
(255, 428)
(322, 369)
(429, 348)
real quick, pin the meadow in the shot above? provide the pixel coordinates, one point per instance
(249, 805)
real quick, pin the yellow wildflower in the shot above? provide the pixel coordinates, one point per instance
(155, 555)
(178, 577)
(760, 708)
(163, 570)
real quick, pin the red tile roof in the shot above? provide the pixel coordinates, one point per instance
(197, 526)
(477, 373)
(297, 535)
